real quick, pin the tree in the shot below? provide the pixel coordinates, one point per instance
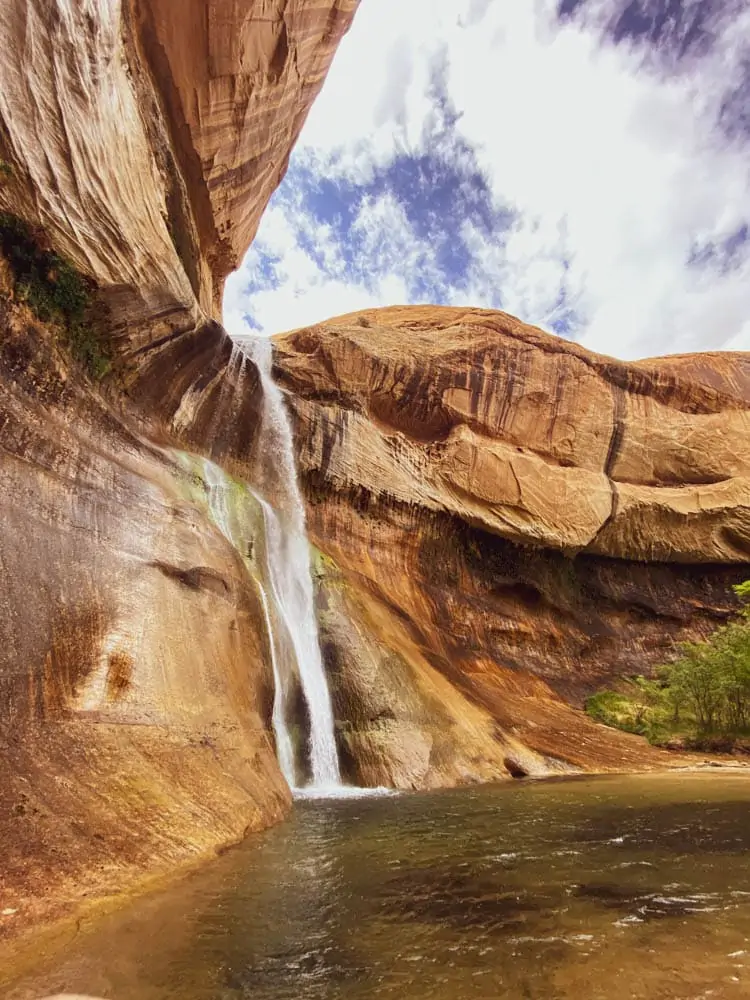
(707, 688)
(694, 679)
(731, 646)
(713, 677)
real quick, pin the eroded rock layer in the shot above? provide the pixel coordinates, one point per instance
(532, 519)
(140, 140)
(135, 682)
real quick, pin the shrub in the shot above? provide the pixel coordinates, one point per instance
(608, 707)
(637, 709)
(54, 291)
(713, 679)
(704, 695)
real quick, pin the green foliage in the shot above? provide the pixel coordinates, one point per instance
(713, 678)
(609, 707)
(703, 695)
(54, 291)
(638, 708)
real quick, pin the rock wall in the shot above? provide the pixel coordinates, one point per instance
(141, 140)
(145, 137)
(506, 519)
(528, 518)
(237, 80)
(402, 721)
(135, 677)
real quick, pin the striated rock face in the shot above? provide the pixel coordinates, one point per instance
(237, 79)
(530, 437)
(141, 139)
(402, 721)
(532, 518)
(146, 138)
(135, 679)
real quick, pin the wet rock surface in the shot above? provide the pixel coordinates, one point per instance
(134, 680)
(527, 518)
(140, 142)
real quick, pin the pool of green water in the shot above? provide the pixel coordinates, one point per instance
(611, 888)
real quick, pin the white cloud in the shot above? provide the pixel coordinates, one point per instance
(309, 293)
(614, 172)
(626, 159)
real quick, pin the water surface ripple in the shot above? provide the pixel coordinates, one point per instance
(590, 889)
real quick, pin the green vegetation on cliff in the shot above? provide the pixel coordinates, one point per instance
(702, 697)
(55, 292)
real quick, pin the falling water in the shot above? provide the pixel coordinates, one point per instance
(218, 484)
(284, 747)
(289, 569)
(217, 499)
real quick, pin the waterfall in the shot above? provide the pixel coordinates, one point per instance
(288, 556)
(284, 746)
(217, 499)
(218, 485)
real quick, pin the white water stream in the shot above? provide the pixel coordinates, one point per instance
(288, 557)
(287, 597)
(284, 745)
(218, 484)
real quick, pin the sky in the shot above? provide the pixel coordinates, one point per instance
(581, 164)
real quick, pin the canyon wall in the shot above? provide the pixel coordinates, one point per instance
(503, 520)
(514, 517)
(135, 682)
(145, 138)
(139, 144)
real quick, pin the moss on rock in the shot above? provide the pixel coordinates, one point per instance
(55, 292)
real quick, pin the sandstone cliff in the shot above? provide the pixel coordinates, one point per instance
(139, 143)
(513, 514)
(504, 520)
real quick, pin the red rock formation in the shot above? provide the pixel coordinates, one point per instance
(455, 463)
(535, 519)
(237, 79)
(141, 140)
(146, 141)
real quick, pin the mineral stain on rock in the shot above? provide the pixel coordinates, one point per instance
(504, 520)
(525, 520)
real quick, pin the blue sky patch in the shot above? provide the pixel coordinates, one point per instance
(582, 165)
